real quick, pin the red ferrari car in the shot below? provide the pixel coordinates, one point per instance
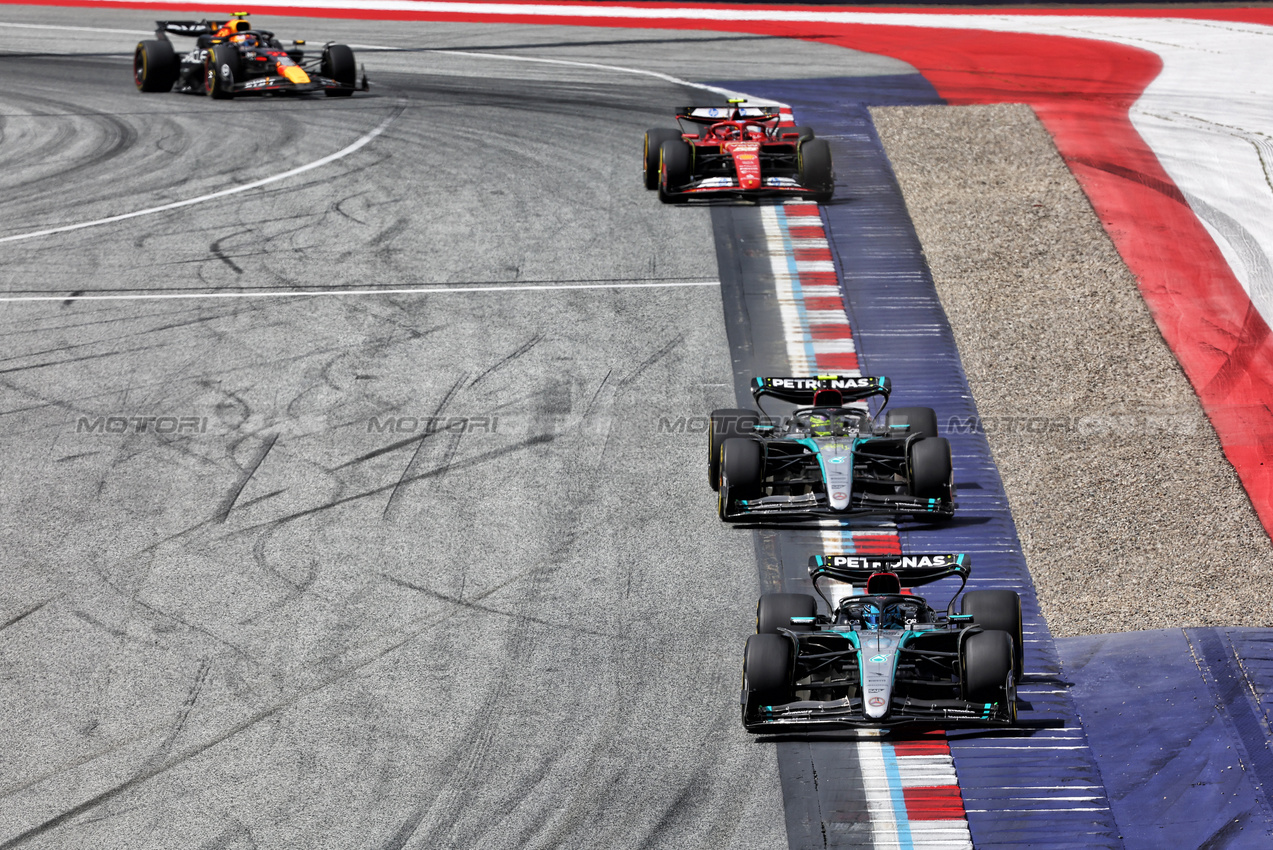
(736, 151)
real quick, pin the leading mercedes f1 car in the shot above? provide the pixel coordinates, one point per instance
(885, 658)
(231, 58)
(829, 459)
(736, 151)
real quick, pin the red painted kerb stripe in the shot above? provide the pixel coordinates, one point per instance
(1081, 90)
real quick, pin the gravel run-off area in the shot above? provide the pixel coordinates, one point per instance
(1129, 514)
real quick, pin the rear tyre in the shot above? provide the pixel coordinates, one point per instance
(999, 610)
(987, 665)
(923, 420)
(155, 66)
(806, 133)
(221, 67)
(654, 140)
(931, 469)
(775, 610)
(338, 64)
(815, 169)
(676, 166)
(767, 670)
(726, 423)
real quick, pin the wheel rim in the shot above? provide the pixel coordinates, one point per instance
(139, 68)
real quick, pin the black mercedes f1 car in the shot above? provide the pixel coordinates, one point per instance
(231, 58)
(885, 658)
(830, 458)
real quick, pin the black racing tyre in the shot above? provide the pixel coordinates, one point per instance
(155, 66)
(931, 470)
(987, 664)
(222, 66)
(726, 423)
(338, 64)
(767, 668)
(676, 166)
(999, 610)
(815, 169)
(923, 420)
(742, 466)
(805, 132)
(654, 140)
(775, 610)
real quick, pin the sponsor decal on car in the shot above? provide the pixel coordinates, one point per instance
(876, 702)
(839, 496)
(881, 564)
(833, 383)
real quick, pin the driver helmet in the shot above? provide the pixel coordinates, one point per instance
(229, 28)
(870, 615)
(244, 39)
(823, 423)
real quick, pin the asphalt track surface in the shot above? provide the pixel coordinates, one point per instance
(284, 625)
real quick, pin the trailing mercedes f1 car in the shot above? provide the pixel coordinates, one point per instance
(885, 658)
(231, 58)
(829, 459)
(736, 151)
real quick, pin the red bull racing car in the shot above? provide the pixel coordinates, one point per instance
(737, 151)
(231, 58)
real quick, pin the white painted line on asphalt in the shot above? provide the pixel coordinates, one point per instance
(256, 184)
(596, 66)
(420, 290)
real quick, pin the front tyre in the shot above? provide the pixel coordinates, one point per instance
(155, 66)
(767, 668)
(742, 466)
(338, 64)
(932, 473)
(676, 167)
(726, 423)
(220, 70)
(814, 168)
(654, 140)
(987, 668)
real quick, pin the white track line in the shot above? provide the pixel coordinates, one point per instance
(318, 163)
(309, 293)
(362, 141)
(593, 65)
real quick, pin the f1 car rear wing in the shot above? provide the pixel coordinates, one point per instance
(193, 29)
(911, 570)
(733, 112)
(802, 390)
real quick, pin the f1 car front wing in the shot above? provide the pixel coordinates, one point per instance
(812, 715)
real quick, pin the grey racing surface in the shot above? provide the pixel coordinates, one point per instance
(371, 567)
